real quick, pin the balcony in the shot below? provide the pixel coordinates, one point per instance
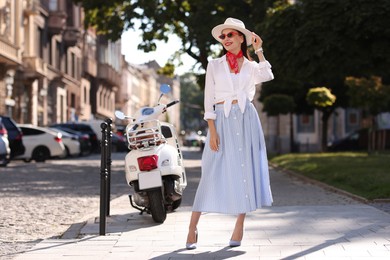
(34, 67)
(9, 53)
(57, 22)
(108, 74)
(90, 66)
(71, 36)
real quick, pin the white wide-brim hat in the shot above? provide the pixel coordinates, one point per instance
(235, 24)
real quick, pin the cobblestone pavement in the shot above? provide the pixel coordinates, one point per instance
(41, 200)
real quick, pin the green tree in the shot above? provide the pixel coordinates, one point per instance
(322, 99)
(369, 94)
(190, 20)
(321, 42)
(372, 96)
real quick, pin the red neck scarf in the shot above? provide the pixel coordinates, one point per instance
(232, 59)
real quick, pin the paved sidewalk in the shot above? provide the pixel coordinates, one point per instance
(306, 222)
(285, 232)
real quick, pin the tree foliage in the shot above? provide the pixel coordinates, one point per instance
(316, 42)
(190, 20)
(290, 87)
(369, 94)
(320, 97)
(323, 100)
(309, 43)
(321, 42)
(278, 104)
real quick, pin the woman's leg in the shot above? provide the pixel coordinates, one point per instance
(191, 237)
(239, 228)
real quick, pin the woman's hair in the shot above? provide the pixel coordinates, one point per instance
(244, 47)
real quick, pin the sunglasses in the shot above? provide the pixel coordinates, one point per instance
(229, 35)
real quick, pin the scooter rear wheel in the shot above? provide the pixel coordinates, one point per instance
(157, 208)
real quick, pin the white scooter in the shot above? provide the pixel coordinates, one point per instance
(154, 165)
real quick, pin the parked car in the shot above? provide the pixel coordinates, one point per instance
(41, 143)
(357, 141)
(119, 143)
(195, 139)
(83, 128)
(83, 138)
(5, 151)
(15, 136)
(120, 130)
(71, 143)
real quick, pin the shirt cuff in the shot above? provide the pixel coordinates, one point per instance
(210, 115)
(264, 64)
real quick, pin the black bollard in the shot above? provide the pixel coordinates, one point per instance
(108, 163)
(103, 180)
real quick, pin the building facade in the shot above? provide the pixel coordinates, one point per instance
(53, 70)
(11, 51)
(141, 87)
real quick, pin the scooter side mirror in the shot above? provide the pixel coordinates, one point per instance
(165, 88)
(119, 114)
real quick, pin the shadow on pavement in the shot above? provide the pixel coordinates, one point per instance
(224, 253)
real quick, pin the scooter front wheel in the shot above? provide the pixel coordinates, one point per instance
(157, 208)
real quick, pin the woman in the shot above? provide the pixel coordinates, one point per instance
(235, 178)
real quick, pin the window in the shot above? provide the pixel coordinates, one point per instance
(73, 65)
(40, 41)
(53, 5)
(58, 55)
(73, 100)
(85, 95)
(31, 131)
(352, 120)
(50, 54)
(305, 124)
(62, 110)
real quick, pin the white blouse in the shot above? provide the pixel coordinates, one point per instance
(219, 84)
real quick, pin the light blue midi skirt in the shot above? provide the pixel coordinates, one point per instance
(235, 179)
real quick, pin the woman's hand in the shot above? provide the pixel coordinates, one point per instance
(257, 42)
(214, 141)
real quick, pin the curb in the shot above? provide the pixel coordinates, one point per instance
(74, 230)
(324, 185)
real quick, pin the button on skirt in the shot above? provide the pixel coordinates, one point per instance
(235, 179)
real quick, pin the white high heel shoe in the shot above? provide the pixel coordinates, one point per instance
(234, 243)
(191, 246)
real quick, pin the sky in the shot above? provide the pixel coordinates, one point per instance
(131, 39)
